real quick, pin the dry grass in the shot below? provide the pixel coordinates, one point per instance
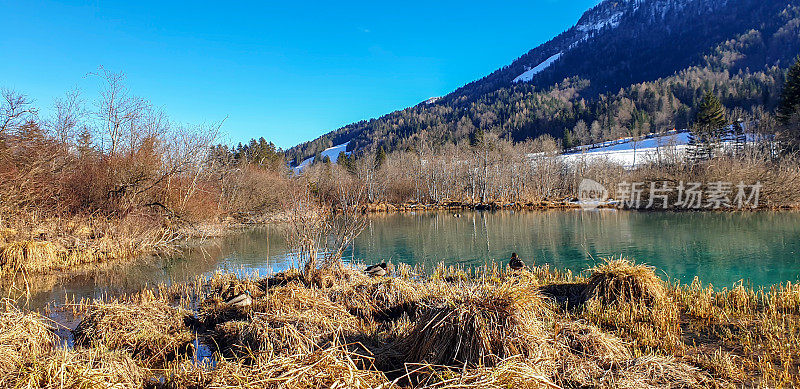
(513, 372)
(622, 281)
(491, 330)
(30, 358)
(47, 245)
(150, 330)
(333, 367)
(286, 320)
(590, 342)
(6, 234)
(29, 256)
(379, 299)
(654, 371)
(93, 368)
(478, 326)
(22, 336)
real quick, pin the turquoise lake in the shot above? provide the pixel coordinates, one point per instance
(761, 248)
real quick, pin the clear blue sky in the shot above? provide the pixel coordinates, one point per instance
(288, 71)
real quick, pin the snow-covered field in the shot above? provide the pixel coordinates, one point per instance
(628, 153)
(330, 152)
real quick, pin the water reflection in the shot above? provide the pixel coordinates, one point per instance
(720, 248)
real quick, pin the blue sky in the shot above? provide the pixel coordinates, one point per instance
(288, 71)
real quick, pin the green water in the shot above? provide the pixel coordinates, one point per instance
(719, 248)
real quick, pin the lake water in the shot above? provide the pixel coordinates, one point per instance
(720, 248)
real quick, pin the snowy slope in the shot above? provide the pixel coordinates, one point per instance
(330, 152)
(628, 153)
(528, 75)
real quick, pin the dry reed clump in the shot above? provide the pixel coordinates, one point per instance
(523, 277)
(151, 331)
(588, 341)
(621, 280)
(379, 299)
(28, 256)
(85, 368)
(332, 367)
(99, 250)
(23, 337)
(722, 365)
(43, 256)
(632, 301)
(513, 372)
(288, 319)
(647, 371)
(653, 371)
(478, 326)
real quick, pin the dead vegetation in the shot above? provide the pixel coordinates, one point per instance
(148, 329)
(477, 326)
(621, 281)
(483, 328)
(115, 177)
(22, 336)
(379, 299)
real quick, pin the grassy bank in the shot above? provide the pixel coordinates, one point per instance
(60, 246)
(617, 326)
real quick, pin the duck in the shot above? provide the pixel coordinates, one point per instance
(240, 301)
(515, 263)
(377, 270)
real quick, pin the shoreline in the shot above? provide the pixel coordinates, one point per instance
(76, 244)
(617, 324)
(544, 205)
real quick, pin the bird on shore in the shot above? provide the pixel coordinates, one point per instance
(240, 301)
(515, 263)
(377, 270)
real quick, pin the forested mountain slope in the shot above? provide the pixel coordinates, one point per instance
(626, 67)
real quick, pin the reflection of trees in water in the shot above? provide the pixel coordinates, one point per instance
(250, 248)
(717, 246)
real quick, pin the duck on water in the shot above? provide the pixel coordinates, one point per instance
(515, 263)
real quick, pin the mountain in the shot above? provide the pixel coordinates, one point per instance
(626, 65)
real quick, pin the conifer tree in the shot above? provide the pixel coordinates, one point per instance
(380, 157)
(708, 128)
(476, 137)
(342, 160)
(567, 140)
(711, 113)
(790, 96)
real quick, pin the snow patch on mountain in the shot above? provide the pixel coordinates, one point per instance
(611, 21)
(432, 100)
(528, 74)
(330, 152)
